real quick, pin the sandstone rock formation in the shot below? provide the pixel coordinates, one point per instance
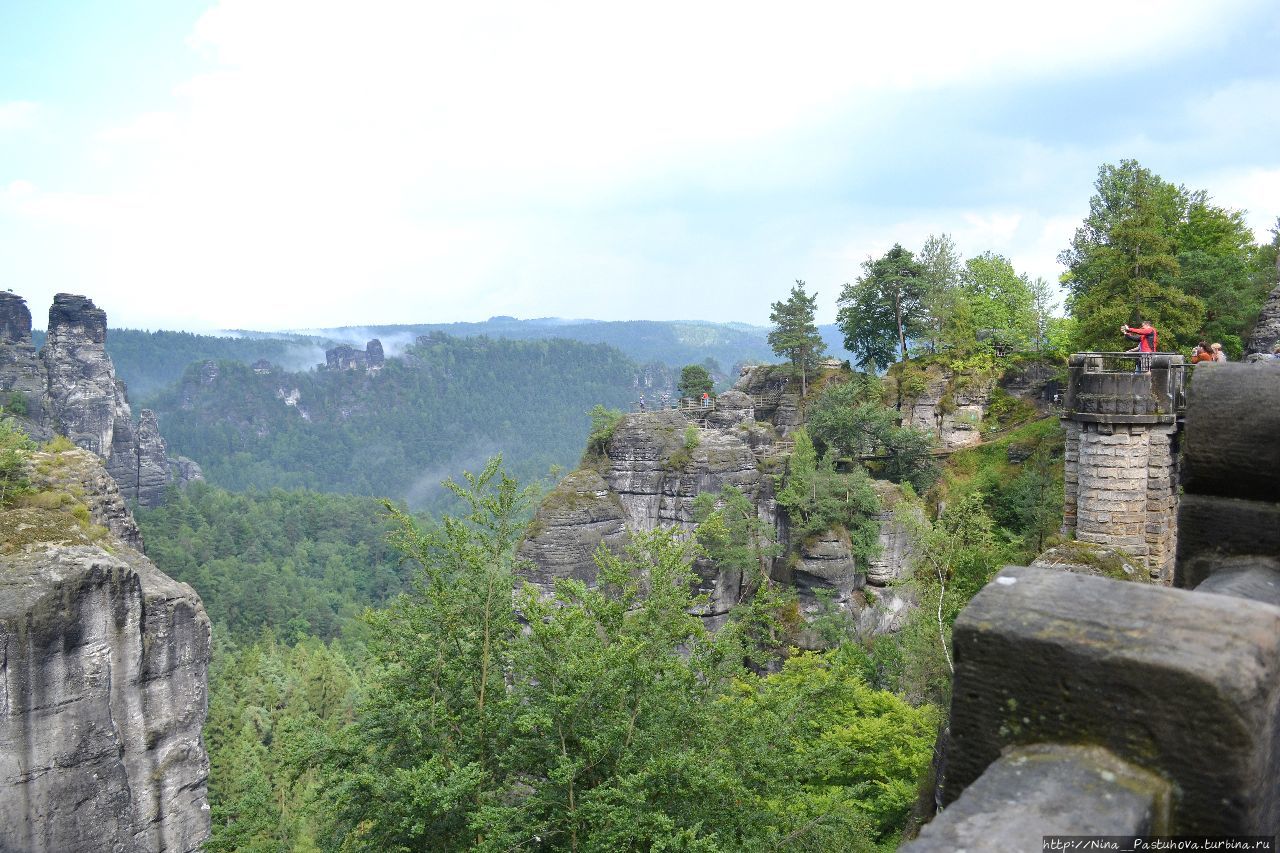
(22, 379)
(70, 388)
(347, 357)
(949, 405)
(649, 477)
(654, 467)
(102, 687)
(575, 519)
(897, 545)
(1267, 330)
(775, 395)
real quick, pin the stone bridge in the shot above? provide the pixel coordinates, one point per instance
(1089, 706)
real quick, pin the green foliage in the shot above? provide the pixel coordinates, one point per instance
(737, 542)
(884, 308)
(1000, 304)
(850, 418)
(1157, 250)
(15, 453)
(692, 437)
(604, 719)
(17, 404)
(258, 692)
(1031, 503)
(603, 422)
(818, 498)
(299, 562)
(942, 272)
(794, 333)
(150, 361)
(695, 380)
(395, 432)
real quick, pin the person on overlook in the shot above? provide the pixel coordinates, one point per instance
(706, 399)
(642, 402)
(1202, 352)
(1218, 354)
(1148, 342)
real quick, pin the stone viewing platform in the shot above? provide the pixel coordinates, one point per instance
(1121, 417)
(1089, 706)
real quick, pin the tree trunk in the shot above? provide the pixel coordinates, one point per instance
(897, 315)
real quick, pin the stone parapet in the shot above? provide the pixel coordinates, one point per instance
(1059, 676)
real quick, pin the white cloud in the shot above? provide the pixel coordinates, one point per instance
(1255, 191)
(358, 162)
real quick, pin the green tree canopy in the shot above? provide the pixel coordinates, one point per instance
(695, 380)
(884, 308)
(1002, 303)
(1152, 249)
(795, 334)
(603, 718)
(943, 272)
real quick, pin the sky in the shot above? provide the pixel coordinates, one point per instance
(280, 164)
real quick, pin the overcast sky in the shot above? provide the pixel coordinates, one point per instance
(264, 164)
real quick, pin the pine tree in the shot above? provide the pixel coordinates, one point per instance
(795, 335)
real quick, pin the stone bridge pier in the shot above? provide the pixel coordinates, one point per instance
(1120, 473)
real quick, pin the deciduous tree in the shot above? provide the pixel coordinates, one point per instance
(884, 308)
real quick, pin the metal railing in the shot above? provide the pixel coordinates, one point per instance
(1163, 380)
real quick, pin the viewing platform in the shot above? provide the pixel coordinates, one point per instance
(1125, 388)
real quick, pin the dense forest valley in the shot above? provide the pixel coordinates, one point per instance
(616, 626)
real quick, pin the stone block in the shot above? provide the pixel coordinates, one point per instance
(1233, 438)
(1211, 529)
(1254, 578)
(1181, 683)
(1048, 790)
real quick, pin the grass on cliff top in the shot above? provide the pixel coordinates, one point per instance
(53, 510)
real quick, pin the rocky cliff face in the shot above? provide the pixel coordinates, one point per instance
(950, 406)
(70, 388)
(102, 677)
(347, 357)
(22, 377)
(654, 467)
(1267, 330)
(775, 395)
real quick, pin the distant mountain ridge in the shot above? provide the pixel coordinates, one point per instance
(148, 361)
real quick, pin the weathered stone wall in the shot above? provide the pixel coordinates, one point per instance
(1120, 473)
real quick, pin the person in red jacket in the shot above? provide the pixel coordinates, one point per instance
(1148, 342)
(1144, 333)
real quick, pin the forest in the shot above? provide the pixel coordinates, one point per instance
(447, 403)
(383, 679)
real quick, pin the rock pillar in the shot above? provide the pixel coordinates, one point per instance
(1120, 471)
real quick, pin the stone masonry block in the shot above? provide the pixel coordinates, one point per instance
(1181, 683)
(1256, 578)
(1211, 529)
(1048, 790)
(1233, 437)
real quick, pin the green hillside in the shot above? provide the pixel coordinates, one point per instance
(447, 405)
